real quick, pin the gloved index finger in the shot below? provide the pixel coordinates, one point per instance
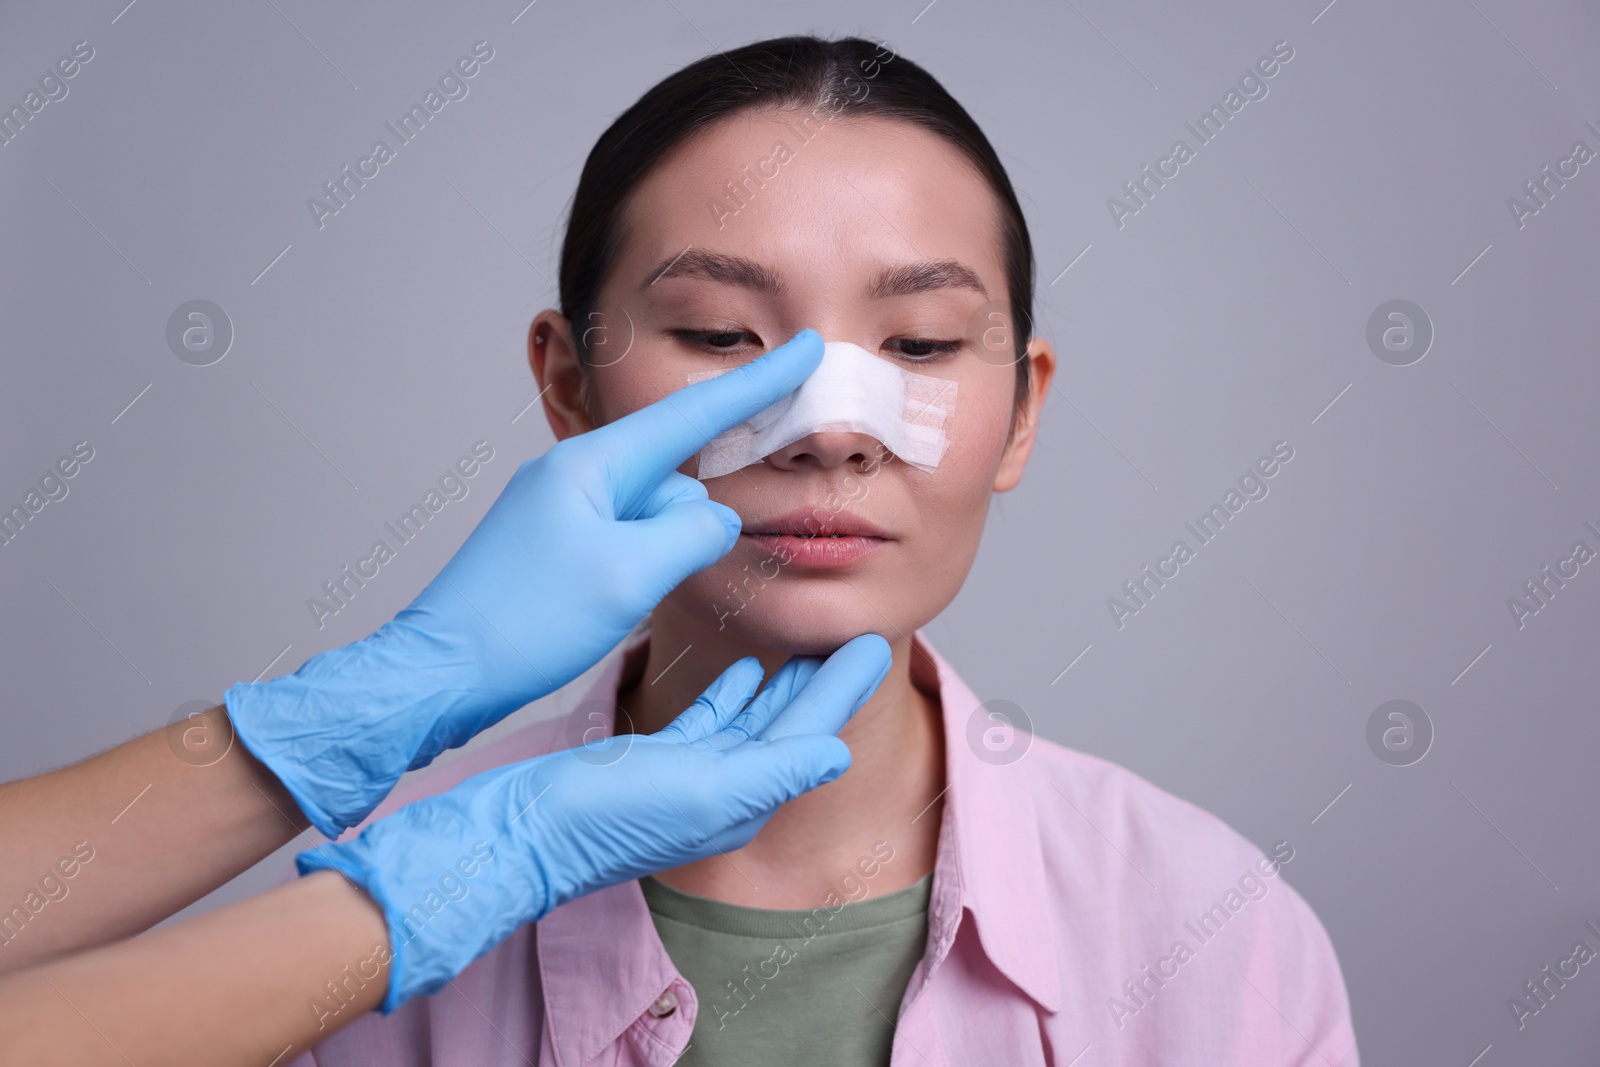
(644, 446)
(718, 706)
(781, 688)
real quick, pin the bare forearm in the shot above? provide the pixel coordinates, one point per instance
(108, 847)
(252, 983)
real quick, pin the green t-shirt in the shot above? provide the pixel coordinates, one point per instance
(806, 986)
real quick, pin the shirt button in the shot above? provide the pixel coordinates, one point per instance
(665, 1005)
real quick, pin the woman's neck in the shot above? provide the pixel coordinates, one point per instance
(824, 841)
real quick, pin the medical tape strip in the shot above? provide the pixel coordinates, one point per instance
(851, 390)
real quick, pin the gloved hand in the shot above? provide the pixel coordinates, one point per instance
(456, 873)
(581, 545)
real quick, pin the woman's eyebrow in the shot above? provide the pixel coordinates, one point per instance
(911, 278)
(717, 267)
(902, 280)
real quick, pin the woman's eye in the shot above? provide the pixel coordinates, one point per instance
(719, 339)
(920, 349)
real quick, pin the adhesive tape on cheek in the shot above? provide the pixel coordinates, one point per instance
(851, 390)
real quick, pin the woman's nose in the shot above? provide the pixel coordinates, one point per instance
(826, 449)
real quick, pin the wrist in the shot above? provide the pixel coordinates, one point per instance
(363, 897)
(244, 765)
(453, 875)
(339, 732)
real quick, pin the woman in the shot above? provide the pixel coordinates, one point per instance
(958, 895)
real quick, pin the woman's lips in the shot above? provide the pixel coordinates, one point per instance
(799, 551)
(817, 539)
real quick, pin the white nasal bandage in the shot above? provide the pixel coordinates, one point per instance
(851, 390)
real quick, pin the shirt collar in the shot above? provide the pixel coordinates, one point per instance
(989, 839)
(602, 964)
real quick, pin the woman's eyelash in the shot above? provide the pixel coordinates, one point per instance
(916, 349)
(715, 339)
(930, 349)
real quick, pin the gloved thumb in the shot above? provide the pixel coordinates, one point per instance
(685, 537)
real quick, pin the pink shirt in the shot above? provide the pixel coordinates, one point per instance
(1079, 916)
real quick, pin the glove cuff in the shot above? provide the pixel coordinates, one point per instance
(340, 731)
(334, 858)
(451, 874)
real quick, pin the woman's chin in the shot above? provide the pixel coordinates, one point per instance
(795, 625)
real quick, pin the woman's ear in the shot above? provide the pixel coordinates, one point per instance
(1041, 369)
(562, 382)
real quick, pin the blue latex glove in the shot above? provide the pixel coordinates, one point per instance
(456, 873)
(581, 545)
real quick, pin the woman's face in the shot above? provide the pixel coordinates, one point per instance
(874, 232)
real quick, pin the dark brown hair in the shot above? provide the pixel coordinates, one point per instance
(802, 72)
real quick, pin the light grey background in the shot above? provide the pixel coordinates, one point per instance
(1228, 314)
